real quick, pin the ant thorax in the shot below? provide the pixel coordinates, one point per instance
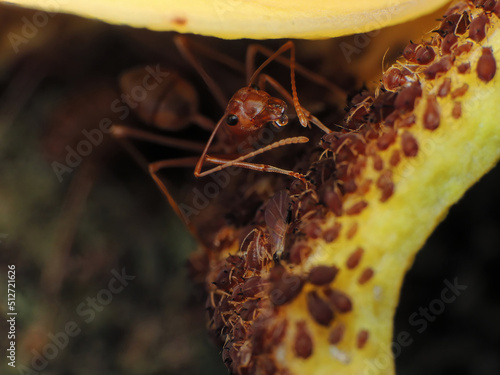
(249, 110)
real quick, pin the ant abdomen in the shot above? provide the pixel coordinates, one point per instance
(164, 99)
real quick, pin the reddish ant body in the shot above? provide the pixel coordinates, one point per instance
(247, 112)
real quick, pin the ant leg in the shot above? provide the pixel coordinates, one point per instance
(295, 100)
(308, 117)
(172, 163)
(121, 131)
(252, 51)
(183, 47)
(239, 162)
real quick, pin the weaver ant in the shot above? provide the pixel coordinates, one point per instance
(247, 112)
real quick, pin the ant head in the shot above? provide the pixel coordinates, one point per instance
(250, 109)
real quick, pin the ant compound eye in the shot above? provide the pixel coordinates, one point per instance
(232, 120)
(255, 87)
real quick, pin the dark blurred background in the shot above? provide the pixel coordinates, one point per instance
(68, 238)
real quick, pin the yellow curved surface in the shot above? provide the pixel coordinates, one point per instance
(233, 19)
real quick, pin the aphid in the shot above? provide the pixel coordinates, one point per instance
(330, 234)
(362, 338)
(257, 253)
(284, 286)
(486, 66)
(463, 48)
(299, 252)
(441, 66)
(459, 91)
(248, 310)
(303, 343)
(464, 68)
(386, 139)
(409, 144)
(432, 114)
(477, 29)
(449, 41)
(456, 112)
(319, 309)
(340, 301)
(322, 275)
(356, 208)
(395, 158)
(489, 5)
(278, 216)
(385, 184)
(252, 286)
(355, 258)
(425, 55)
(410, 52)
(352, 231)
(336, 334)
(378, 162)
(366, 275)
(393, 78)
(405, 101)
(444, 88)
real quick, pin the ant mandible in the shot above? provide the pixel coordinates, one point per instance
(247, 112)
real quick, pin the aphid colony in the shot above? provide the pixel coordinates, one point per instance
(250, 289)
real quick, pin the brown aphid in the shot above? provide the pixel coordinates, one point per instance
(224, 280)
(464, 68)
(333, 200)
(340, 301)
(351, 232)
(393, 78)
(355, 258)
(441, 66)
(319, 309)
(378, 162)
(322, 275)
(332, 233)
(284, 286)
(356, 208)
(410, 52)
(362, 338)
(303, 343)
(364, 187)
(312, 229)
(449, 24)
(463, 48)
(386, 186)
(496, 9)
(477, 29)
(489, 5)
(366, 275)
(299, 252)
(395, 158)
(405, 101)
(449, 41)
(425, 55)
(407, 121)
(456, 112)
(252, 286)
(432, 114)
(336, 334)
(409, 144)
(459, 91)
(386, 139)
(486, 66)
(248, 310)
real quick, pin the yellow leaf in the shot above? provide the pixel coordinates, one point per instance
(233, 19)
